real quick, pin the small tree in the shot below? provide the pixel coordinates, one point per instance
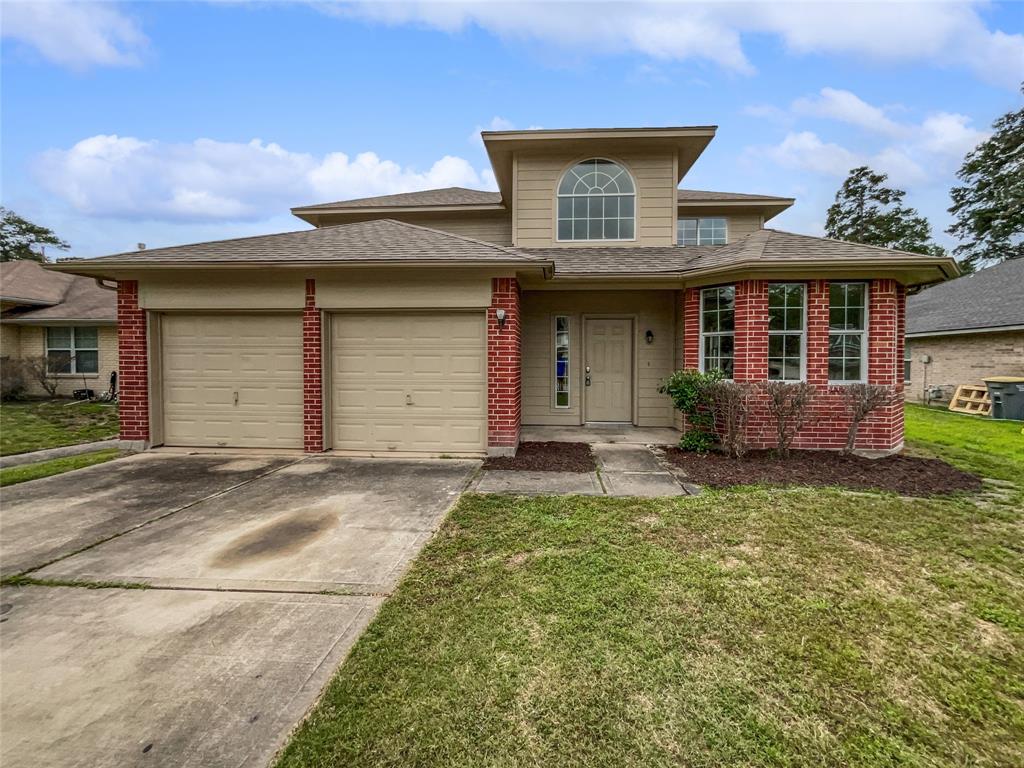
(789, 404)
(860, 400)
(12, 379)
(730, 402)
(21, 239)
(690, 391)
(38, 370)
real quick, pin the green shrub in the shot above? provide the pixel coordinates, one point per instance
(690, 391)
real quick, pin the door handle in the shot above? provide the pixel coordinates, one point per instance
(586, 380)
(408, 398)
(236, 398)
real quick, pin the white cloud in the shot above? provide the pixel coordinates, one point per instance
(806, 151)
(944, 33)
(77, 35)
(847, 107)
(950, 135)
(207, 180)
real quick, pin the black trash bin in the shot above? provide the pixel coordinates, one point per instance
(1007, 396)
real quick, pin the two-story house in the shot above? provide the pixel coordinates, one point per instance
(441, 322)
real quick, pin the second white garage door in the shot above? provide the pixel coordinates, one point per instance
(232, 380)
(409, 382)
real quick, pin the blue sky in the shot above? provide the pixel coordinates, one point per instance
(166, 122)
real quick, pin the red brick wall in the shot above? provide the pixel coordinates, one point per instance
(312, 374)
(886, 322)
(504, 373)
(133, 363)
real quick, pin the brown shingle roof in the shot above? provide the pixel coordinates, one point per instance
(701, 196)
(370, 241)
(428, 198)
(50, 296)
(988, 298)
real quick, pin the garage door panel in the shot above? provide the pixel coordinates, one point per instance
(208, 358)
(380, 361)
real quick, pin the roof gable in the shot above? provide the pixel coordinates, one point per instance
(48, 296)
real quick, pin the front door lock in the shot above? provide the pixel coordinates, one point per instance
(586, 379)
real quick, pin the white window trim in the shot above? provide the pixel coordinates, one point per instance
(803, 338)
(863, 334)
(554, 362)
(635, 194)
(703, 333)
(697, 219)
(73, 349)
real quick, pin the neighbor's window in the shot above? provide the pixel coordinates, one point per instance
(701, 232)
(786, 331)
(908, 360)
(847, 332)
(561, 362)
(596, 201)
(72, 350)
(717, 329)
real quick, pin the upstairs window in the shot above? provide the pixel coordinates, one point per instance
(787, 331)
(72, 350)
(718, 329)
(596, 201)
(711, 231)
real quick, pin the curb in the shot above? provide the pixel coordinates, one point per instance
(66, 450)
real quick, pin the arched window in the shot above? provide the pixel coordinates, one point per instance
(596, 201)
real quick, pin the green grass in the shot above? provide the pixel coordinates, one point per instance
(754, 627)
(983, 446)
(35, 425)
(26, 472)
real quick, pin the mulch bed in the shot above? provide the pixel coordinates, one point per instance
(547, 457)
(906, 475)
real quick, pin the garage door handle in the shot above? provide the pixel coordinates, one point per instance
(408, 399)
(236, 398)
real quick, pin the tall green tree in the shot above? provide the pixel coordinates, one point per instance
(21, 239)
(866, 211)
(989, 208)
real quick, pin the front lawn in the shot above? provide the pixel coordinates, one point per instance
(26, 472)
(756, 626)
(35, 425)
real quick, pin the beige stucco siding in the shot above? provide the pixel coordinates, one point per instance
(32, 343)
(489, 226)
(536, 178)
(210, 290)
(653, 310)
(408, 289)
(962, 359)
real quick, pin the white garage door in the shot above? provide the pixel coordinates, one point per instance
(232, 380)
(409, 382)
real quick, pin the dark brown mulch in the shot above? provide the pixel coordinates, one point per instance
(547, 457)
(906, 475)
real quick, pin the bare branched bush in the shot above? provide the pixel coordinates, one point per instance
(13, 379)
(730, 403)
(37, 369)
(789, 404)
(860, 400)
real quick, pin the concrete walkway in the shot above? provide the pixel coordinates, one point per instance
(623, 469)
(18, 459)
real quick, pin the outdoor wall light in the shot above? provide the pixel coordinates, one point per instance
(500, 315)
(649, 336)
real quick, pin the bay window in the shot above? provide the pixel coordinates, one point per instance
(718, 329)
(847, 332)
(787, 331)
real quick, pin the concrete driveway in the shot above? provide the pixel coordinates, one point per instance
(264, 571)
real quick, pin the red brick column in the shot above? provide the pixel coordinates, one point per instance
(133, 363)
(312, 374)
(504, 369)
(817, 332)
(751, 341)
(691, 328)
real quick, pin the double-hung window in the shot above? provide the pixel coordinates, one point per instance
(72, 350)
(710, 231)
(787, 331)
(718, 329)
(561, 361)
(847, 332)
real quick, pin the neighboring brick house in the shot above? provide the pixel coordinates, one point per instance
(69, 321)
(442, 321)
(964, 331)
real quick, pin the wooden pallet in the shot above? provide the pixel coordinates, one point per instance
(970, 398)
